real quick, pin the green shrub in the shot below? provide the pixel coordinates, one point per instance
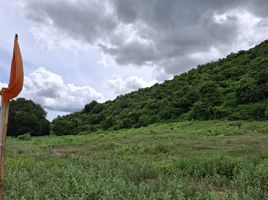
(141, 173)
(202, 167)
(25, 137)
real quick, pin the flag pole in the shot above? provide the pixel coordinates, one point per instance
(3, 133)
(14, 88)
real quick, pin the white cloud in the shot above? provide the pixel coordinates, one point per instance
(51, 38)
(128, 84)
(251, 30)
(3, 85)
(49, 90)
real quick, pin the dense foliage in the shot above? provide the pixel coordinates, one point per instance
(27, 117)
(232, 88)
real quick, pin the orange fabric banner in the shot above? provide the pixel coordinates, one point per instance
(16, 75)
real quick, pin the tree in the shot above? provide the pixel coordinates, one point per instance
(61, 126)
(202, 111)
(88, 108)
(27, 117)
(210, 93)
(246, 91)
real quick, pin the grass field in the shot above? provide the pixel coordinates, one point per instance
(183, 160)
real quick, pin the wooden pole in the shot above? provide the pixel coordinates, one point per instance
(3, 133)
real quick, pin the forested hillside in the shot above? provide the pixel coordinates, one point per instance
(234, 88)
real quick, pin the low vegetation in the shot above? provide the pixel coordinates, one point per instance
(179, 160)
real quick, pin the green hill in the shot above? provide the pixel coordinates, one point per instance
(234, 88)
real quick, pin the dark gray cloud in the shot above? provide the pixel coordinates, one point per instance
(171, 35)
(258, 7)
(86, 20)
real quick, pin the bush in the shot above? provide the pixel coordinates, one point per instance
(247, 91)
(141, 173)
(252, 181)
(206, 167)
(25, 137)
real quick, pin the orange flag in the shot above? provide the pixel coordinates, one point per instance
(16, 75)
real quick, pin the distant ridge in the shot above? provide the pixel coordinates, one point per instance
(234, 88)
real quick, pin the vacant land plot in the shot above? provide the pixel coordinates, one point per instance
(181, 160)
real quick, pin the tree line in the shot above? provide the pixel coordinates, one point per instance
(234, 88)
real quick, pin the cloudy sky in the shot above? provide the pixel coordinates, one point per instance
(76, 51)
